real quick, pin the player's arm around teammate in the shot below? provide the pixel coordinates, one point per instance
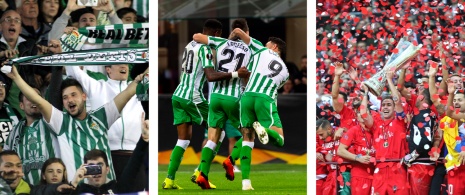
(248, 133)
(211, 74)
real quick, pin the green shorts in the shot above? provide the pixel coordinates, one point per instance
(229, 130)
(255, 107)
(221, 109)
(185, 111)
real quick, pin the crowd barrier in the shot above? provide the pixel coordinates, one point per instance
(439, 161)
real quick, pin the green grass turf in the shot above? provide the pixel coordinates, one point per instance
(266, 179)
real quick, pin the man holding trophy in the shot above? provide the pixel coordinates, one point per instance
(389, 133)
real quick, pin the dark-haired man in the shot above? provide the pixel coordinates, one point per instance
(258, 109)
(231, 55)
(189, 104)
(33, 140)
(77, 130)
(389, 142)
(11, 171)
(327, 152)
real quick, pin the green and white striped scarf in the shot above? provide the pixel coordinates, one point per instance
(109, 56)
(72, 42)
(137, 33)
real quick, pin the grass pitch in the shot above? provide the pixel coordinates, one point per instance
(266, 179)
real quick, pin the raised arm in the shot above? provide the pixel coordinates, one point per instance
(60, 23)
(337, 105)
(44, 106)
(364, 111)
(400, 84)
(107, 7)
(450, 100)
(445, 71)
(433, 90)
(122, 98)
(394, 92)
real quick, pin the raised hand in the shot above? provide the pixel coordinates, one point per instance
(72, 6)
(105, 6)
(13, 74)
(432, 71)
(390, 74)
(353, 74)
(339, 68)
(450, 86)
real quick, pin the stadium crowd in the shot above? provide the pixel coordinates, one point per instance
(76, 128)
(409, 138)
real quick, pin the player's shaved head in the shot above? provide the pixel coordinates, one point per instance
(212, 27)
(240, 23)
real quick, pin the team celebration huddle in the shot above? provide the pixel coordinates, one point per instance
(246, 76)
(390, 98)
(74, 106)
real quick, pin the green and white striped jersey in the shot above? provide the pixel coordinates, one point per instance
(34, 144)
(268, 71)
(230, 56)
(196, 57)
(77, 137)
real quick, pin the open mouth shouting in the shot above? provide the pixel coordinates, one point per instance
(11, 30)
(72, 107)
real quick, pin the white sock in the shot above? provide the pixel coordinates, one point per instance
(247, 143)
(210, 144)
(183, 143)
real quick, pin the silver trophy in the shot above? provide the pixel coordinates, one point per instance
(406, 52)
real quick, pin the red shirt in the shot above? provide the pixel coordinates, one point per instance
(347, 117)
(361, 142)
(330, 146)
(320, 169)
(393, 132)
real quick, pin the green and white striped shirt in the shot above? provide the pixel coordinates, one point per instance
(230, 56)
(34, 144)
(268, 71)
(196, 57)
(77, 137)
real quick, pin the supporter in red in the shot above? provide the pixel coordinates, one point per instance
(389, 142)
(359, 137)
(330, 138)
(321, 171)
(346, 114)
